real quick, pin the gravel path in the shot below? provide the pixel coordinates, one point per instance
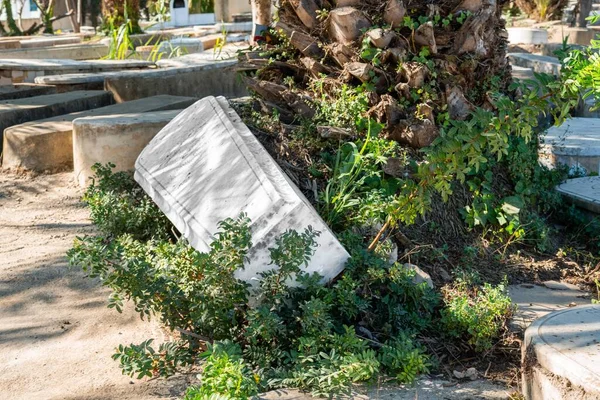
(56, 333)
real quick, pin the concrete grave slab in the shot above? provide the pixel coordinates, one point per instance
(71, 52)
(545, 64)
(583, 192)
(118, 139)
(575, 143)
(581, 36)
(48, 144)
(78, 81)
(520, 73)
(206, 166)
(27, 70)
(228, 52)
(186, 45)
(561, 355)
(534, 301)
(49, 41)
(210, 79)
(24, 90)
(66, 64)
(234, 26)
(9, 45)
(14, 112)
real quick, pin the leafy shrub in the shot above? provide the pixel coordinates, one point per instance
(477, 314)
(317, 337)
(403, 359)
(118, 205)
(224, 374)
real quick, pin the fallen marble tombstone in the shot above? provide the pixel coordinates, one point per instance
(206, 166)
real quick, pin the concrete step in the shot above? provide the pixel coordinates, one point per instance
(545, 64)
(48, 144)
(536, 301)
(583, 192)
(14, 112)
(19, 71)
(24, 90)
(561, 355)
(576, 143)
(118, 139)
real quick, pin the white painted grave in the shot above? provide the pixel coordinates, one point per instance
(206, 166)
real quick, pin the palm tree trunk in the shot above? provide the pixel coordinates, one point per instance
(261, 15)
(418, 62)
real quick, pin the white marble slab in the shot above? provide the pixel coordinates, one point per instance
(206, 165)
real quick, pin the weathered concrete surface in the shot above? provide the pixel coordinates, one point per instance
(228, 52)
(20, 71)
(66, 64)
(24, 90)
(186, 45)
(423, 389)
(545, 49)
(575, 143)
(212, 79)
(71, 52)
(561, 355)
(581, 36)
(522, 35)
(118, 139)
(534, 301)
(206, 166)
(10, 44)
(49, 41)
(70, 82)
(583, 192)
(545, 64)
(14, 112)
(519, 73)
(48, 144)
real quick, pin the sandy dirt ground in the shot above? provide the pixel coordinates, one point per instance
(56, 333)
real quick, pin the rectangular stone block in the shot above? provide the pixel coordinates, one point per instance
(206, 166)
(213, 78)
(47, 144)
(118, 139)
(540, 64)
(14, 112)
